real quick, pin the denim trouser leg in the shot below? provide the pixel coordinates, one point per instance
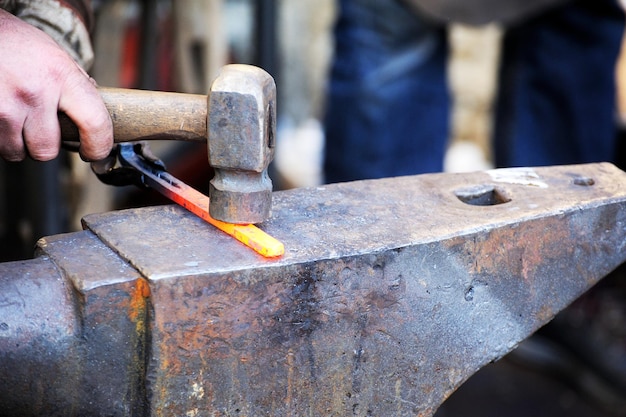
(388, 104)
(556, 102)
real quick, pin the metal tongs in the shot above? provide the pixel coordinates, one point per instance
(133, 163)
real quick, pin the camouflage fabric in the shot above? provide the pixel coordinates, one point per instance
(68, 22)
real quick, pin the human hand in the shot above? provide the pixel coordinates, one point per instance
(38, 79)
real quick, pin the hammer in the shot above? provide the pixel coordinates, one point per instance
(237, 119)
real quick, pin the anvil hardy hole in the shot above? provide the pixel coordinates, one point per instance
(584, 181)
(482, 195)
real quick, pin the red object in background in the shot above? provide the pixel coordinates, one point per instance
(131, 54)
(130, 57)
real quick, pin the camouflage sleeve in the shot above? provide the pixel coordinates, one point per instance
(68, 22)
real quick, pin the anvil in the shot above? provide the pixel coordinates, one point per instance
(391, 294)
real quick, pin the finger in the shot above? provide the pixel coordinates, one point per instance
(42, 135)
(83, 104)
(11, 143)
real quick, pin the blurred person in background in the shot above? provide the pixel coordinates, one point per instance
(388, 104)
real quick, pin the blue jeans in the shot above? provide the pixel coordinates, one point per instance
(557, 87)
(388, 103)
(387, 109)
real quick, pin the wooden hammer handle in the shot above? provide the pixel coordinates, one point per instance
(147, 115)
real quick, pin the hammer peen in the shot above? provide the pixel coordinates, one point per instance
(237, 119)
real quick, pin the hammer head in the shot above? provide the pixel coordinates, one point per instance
(241, 124)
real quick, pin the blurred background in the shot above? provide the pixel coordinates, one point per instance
(180, 46)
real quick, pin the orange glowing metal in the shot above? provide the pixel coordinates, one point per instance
(198, 203)
(248, 234)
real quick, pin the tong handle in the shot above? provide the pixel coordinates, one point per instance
(149, 115)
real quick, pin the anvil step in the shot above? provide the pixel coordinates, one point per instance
(390, 295)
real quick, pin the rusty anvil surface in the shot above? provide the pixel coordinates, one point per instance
(390, 295)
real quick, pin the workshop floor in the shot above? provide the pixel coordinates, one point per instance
(505, 389)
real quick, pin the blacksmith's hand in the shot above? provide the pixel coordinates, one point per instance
(38, 79)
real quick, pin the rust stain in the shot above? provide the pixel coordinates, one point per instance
(137, 313)
(520, 247)
(138, 300)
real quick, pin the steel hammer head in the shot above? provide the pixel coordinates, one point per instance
(241, 123)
